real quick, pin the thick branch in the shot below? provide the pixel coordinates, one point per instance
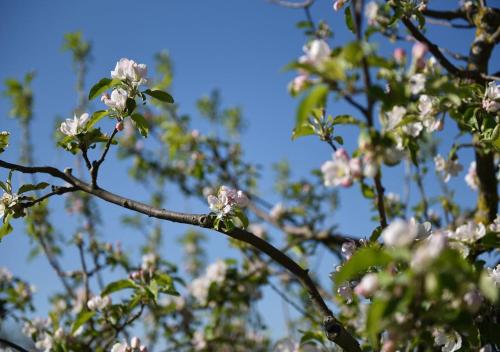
(335, 331)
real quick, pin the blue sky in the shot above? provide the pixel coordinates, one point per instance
(238, 46)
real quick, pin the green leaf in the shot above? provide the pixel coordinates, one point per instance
(131, 105)
(141, 124)
(4, 140)
(374, 319)
(81, 319)
(96, 117)
(348, 19)
(367, 191)
(339, 140)
(315, 99)
(160, 95)
(302, 131)
(101, 86)
(118, 286)
(6, 228)
(345, 120)
(360, 261)
(30, 187)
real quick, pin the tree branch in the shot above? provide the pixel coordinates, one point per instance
(334, 330)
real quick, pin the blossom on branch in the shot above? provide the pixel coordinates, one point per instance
(131, 72)
(72, 127)
(447, 168)
(227, 201)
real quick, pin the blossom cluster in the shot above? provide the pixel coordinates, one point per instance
(343, 171)
(214, 274)
(7, 201)
(227, 201)
(134, 346)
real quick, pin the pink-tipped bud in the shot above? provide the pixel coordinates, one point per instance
(419, 50)
(135, 342)
(119, 126)
(143, 349)
(399, 55)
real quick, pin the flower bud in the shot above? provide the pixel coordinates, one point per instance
(119, 126)
(135, 342)
(368, 285)
(399, 55)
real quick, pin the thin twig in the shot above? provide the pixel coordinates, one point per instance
(97, 164)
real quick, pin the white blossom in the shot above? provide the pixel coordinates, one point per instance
(117, 101)
(417, 83)
(428, 250)
(469, 233)
(426, 109)
(298, 83)
(371, 11)
(227, 200)
(491, 99)
(215, 273)
(177, 301)
(5, 274)
(46, 343)
(148, 261)
(316, 52)
(471, 178)
(7, 201)
(34, 326)
(451, 341)
(337, 172)
(368, 285)
(130, 71)
(447, 168)
(395, 116)
(473, 300)
(72, 127)
(120, 347)
(413, 128)
(487, 348)
(400, 233)
(98, 302)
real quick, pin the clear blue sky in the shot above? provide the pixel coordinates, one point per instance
(238, 46)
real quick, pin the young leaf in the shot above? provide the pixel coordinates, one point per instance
(118, 286)
(348, 19)
(96, 117)
(316, 98)
(367, 191)
(360, 261)
(5, 229)
(141, 124)
(81, 319)
(4, 140)
(160, 95)
(302, 131)
(30, 187)
(131, 104)
(101, 86)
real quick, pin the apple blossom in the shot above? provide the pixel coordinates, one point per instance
(399, 55)
(491, 100)
(471, 178)
(473, 299)
(135, 342)
(469, 233)
(214, 273)
(117, 101)
(368, 285)
(400, 233)
(417, 83)
(119, 126)
(98, 302)
(226, 201)
(72, 127)
(338, 4)
(371, 11)
(46, 343)
(447, 168)
(149, 261)
(428, 250)
(395, 116)
(316, 52)
(7, 201)
(419, 50)
(130, 71)
(337, 172)
(298, 83)
(121, 347)
(451, 341)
